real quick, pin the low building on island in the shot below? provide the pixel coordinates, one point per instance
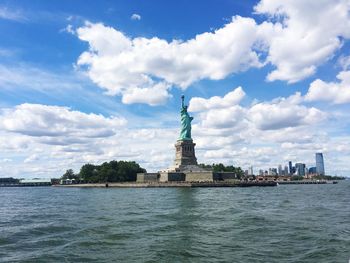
(35, 182)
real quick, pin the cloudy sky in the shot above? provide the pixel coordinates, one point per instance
(91, 81)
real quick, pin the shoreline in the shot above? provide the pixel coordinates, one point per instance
(170, 184)
(177, 184)
(194, 184)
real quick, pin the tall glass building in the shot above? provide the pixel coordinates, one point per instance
(300, 169)
(290, 168)
(319, 164)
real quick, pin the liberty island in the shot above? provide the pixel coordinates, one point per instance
(186, 168)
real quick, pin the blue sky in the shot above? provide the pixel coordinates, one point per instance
(87, 81)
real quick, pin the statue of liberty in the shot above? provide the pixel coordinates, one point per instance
(185, 133)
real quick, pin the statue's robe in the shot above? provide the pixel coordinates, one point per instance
(186, 120)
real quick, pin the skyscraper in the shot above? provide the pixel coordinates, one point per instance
(312, 170)
(280, 170)
(250, 170)
(290, 167)
(319, 164)
(300, 169)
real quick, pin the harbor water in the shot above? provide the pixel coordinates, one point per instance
(287, 223)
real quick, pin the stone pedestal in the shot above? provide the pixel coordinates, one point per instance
(185, 166)
(185, 154)
(185, 158)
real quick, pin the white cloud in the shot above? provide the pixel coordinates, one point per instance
(8, 14)
(69, 29)
(284, 113)
(309, 35)
(118, 63)
(296, 38)
(230, 99)
(156, 95)
(135, 17)
(344, 62)
(53, 121)
(334, 92)
(223, 118)
(31, 158)
(5, 160)
(298, 135)
(223, 112)
(13, 143)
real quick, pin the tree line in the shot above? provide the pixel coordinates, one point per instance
(113, 171)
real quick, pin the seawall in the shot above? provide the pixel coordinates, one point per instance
(172, 184)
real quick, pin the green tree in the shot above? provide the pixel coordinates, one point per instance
(219, 167)
(222, 168)
(69, 174)
(112, 171)
(88, 173)
(297, 178)
(328, 177)
(205, 166)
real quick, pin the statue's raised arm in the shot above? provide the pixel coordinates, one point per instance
(186, 120)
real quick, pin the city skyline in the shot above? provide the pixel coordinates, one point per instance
(288, 168)
(266, 82)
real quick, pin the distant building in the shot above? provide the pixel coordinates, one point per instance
(273, 178)
(319, 164)
(285, 170)
(291, 169)
(280, 170)
(312, 170)
(261, 172)
(35, 182)
(300, 169)
(272, 171)
(250, 170)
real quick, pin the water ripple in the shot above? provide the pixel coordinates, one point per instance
(307, 223)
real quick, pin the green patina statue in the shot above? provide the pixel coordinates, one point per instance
(185, 133)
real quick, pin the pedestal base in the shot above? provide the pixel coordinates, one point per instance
(200, 176)
(185, 153)
(185, 160)
(185, 166)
